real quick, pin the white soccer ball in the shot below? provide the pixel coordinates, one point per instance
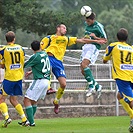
(86, 11)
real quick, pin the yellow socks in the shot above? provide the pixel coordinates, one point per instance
(127, 108)
(59, 94)
(21, 112)
(4, 110)
(49, 85)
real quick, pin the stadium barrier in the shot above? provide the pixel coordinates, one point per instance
(75, 80)
(82, 81)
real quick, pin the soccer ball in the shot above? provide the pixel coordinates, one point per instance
(86, 11)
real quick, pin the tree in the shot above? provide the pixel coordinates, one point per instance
(117, 19)
(26, 15)
(41, 17)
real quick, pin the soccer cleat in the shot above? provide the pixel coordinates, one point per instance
(50, 91)
(25, 123)
(32, 125)
(7, 121)
(90, 92)
(56, 108)
(99, 93)
(131, 126)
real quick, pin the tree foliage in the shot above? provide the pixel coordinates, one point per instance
(26, 15)
(116, 20)
(41, 16)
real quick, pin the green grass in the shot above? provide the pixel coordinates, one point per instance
(73, 125)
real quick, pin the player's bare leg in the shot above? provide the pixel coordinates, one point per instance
(59, 93)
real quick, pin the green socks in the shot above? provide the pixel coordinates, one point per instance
(29, 112)
(34, 109)
(89, 77)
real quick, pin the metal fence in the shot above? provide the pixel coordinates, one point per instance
(75, 80)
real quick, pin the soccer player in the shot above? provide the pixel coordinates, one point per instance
(93, 30)
(13, 57)
(40, 64)
(121, 55)
(55, 47)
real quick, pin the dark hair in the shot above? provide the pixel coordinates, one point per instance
(10, 35)
(35, 45)
(92, 16)
(122, 34)
(58, 25)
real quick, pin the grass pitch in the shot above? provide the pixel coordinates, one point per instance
(110, 124)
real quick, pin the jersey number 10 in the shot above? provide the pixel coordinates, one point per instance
(15, 57)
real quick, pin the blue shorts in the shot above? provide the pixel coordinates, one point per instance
(125, 89)
(57, 67)
(13, 88)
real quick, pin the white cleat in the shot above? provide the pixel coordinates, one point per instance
(99, 92)
(90, 92)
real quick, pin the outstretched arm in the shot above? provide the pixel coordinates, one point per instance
(85, 40)
(97, 38)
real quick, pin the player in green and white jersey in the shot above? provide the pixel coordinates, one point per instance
(95, 31)
(39, 62)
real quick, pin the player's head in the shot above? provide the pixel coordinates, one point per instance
(90, 20)
(122, 35)
(35, 45)
(61, 29)
(10, 36)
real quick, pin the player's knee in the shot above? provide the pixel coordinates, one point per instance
(85, 63)
(13, 101)
(26, 100)
(63, 85)
(131, 104)
(119, 96)
(2, 99)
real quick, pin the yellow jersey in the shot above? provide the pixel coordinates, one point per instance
(121, 55)
(13, 57)
(57, 45)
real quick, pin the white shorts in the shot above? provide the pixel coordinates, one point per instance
(37, 90)
(90, 52)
